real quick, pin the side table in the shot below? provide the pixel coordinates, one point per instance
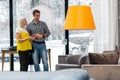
(7, 51)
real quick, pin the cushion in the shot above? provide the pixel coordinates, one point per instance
(104, 58)
(66, 66)
(67, 74)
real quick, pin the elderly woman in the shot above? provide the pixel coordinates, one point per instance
(24, 46)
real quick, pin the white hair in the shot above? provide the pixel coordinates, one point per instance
(22, 19)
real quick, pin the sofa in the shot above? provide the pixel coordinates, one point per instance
(68, 74)
(100, 66)
(103, 66)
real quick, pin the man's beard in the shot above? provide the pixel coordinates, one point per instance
(37, 19)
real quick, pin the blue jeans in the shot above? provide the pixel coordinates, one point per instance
(40, 52)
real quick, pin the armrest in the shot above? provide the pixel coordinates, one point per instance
(62, 59)
(102, 71)
(83, 60)
(73, 59)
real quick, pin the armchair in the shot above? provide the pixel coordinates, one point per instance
(71, 61)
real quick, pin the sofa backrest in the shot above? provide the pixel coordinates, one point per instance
(107, 57)
(73, 59)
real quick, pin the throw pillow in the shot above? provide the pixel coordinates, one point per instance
(104, 58)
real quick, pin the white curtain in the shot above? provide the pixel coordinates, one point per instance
(105, 14)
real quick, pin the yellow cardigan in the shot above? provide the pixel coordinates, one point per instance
(26, 45)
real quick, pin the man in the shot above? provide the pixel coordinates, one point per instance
(40, 31)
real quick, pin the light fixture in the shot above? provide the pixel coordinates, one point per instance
(79, 18)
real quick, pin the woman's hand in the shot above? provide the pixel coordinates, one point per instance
(18, 36)
(32, 38)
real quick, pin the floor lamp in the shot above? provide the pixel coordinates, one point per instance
(79, 18)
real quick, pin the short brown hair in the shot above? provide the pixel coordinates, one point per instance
(36, 11)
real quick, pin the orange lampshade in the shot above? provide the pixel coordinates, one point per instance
(79, 18)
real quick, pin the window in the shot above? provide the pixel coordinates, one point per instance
(52, 12)
(4, 29)
(80, 41)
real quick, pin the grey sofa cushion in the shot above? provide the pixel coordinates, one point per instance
(68, 74)
(71, 74)
(66, 66)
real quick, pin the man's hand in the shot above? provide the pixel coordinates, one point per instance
(39, 36)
